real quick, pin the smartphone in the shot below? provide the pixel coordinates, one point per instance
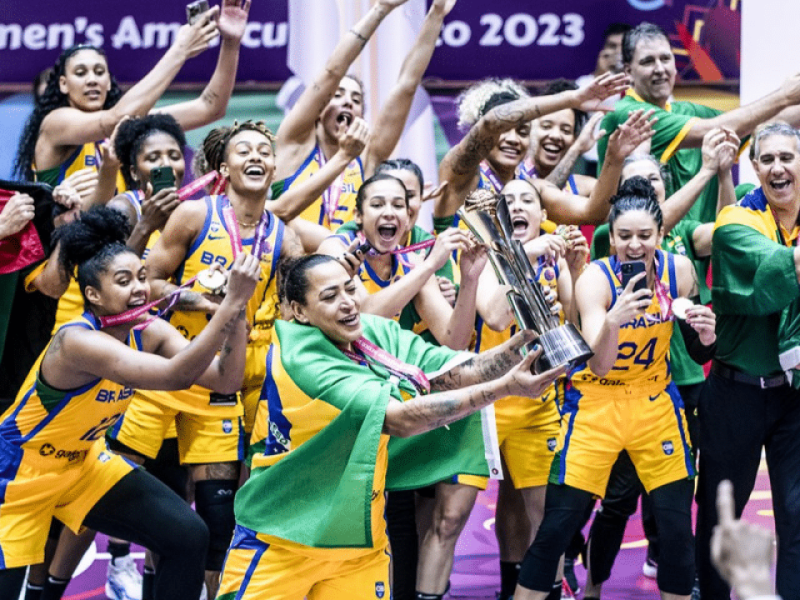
(162, 177)
(195, 9)
(630, 270)
(364, 248)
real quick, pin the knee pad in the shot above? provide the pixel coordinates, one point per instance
(214, 503)
(673, 515)
(564, 507)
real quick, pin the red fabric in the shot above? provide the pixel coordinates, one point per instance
(22, 249)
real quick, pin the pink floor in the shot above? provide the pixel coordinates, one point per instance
(476, 569)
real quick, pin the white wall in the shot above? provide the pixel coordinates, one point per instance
(770, 51)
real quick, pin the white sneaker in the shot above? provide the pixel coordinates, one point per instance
(123, 580)
(650, 569)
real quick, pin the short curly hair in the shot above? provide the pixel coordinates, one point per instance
(479, 98)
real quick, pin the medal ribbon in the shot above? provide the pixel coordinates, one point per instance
(331, 195)
(259, 238)
(135, 313)
(374, 354)
(198, 184)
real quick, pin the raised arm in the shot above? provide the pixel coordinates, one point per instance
(425, 413)
(781, 102)
(77, 354)
(392, 118)
(460, 164)
(586, 140)
(564, 207)
(69, 126)
(599, 324)
(166, 256)
(296, 132)
(298, 197)
(453, 326)
(213, 102)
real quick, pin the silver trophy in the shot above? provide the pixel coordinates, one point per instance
(487, 216)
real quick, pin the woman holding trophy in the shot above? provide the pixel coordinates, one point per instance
(623, 398)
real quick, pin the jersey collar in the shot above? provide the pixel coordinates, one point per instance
(638, 98)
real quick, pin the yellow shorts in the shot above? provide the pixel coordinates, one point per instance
(201, 438)
(31, 495)
(529, 451)
(255, 372)
(257, 570)
(596, 428)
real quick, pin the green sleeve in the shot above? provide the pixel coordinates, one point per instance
(442, 223)
(752, 274)
(347, 227)
(601, 244)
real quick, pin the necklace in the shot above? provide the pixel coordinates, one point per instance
(246, 224)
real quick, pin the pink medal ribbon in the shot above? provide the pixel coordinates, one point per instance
(198, 184)
(488, 172)
(374, 354)
(400, 251)
(331, 195)
(528, 169)
(135, 313)
(260, 243)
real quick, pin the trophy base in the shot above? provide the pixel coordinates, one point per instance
(562, 346)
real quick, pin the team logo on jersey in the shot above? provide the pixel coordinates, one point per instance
(227, 425)
(104, 457)
(551, 444)
(549, 273)
(380, 589)
(47, 449)
(668, 447)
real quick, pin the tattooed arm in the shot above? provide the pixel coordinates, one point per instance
(485, 366)
(460, 164)
(425, 413)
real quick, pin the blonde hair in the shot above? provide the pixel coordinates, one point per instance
(472, 101)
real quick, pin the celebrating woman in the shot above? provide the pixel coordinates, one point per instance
(55, 461)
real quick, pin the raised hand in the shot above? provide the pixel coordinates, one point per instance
(629, 303)
(445, 6)
(703, 320)
(547, 245)
(473, 260)
(741, 552)
(353, 139)
(242, 279)
(448, 289)
(156, 208)
(577, 250)
(233, 19)
(588, 136)
(432, 192)
(194, 39)
(447, 242)
(592, 96)
(352, 258)
(84, 182)
(637, 128)
(522, 381)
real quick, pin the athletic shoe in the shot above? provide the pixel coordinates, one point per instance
(696, 590)
(569, 575)
(650, 569)
(203, 593)
(566, 591)
(123, 580)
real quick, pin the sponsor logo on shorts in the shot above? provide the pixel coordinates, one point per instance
(227, 425)
(668, 447)
(551, 444)
(380, 589)
(70, 455)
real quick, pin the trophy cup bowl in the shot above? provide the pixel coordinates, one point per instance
(487, 216)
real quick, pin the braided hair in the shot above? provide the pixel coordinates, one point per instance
(215, 144)
(636, 193)
(51, 99)
(90, 243)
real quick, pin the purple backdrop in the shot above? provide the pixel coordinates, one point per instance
(527, 40)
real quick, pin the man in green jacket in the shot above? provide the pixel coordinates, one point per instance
(747, 403)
